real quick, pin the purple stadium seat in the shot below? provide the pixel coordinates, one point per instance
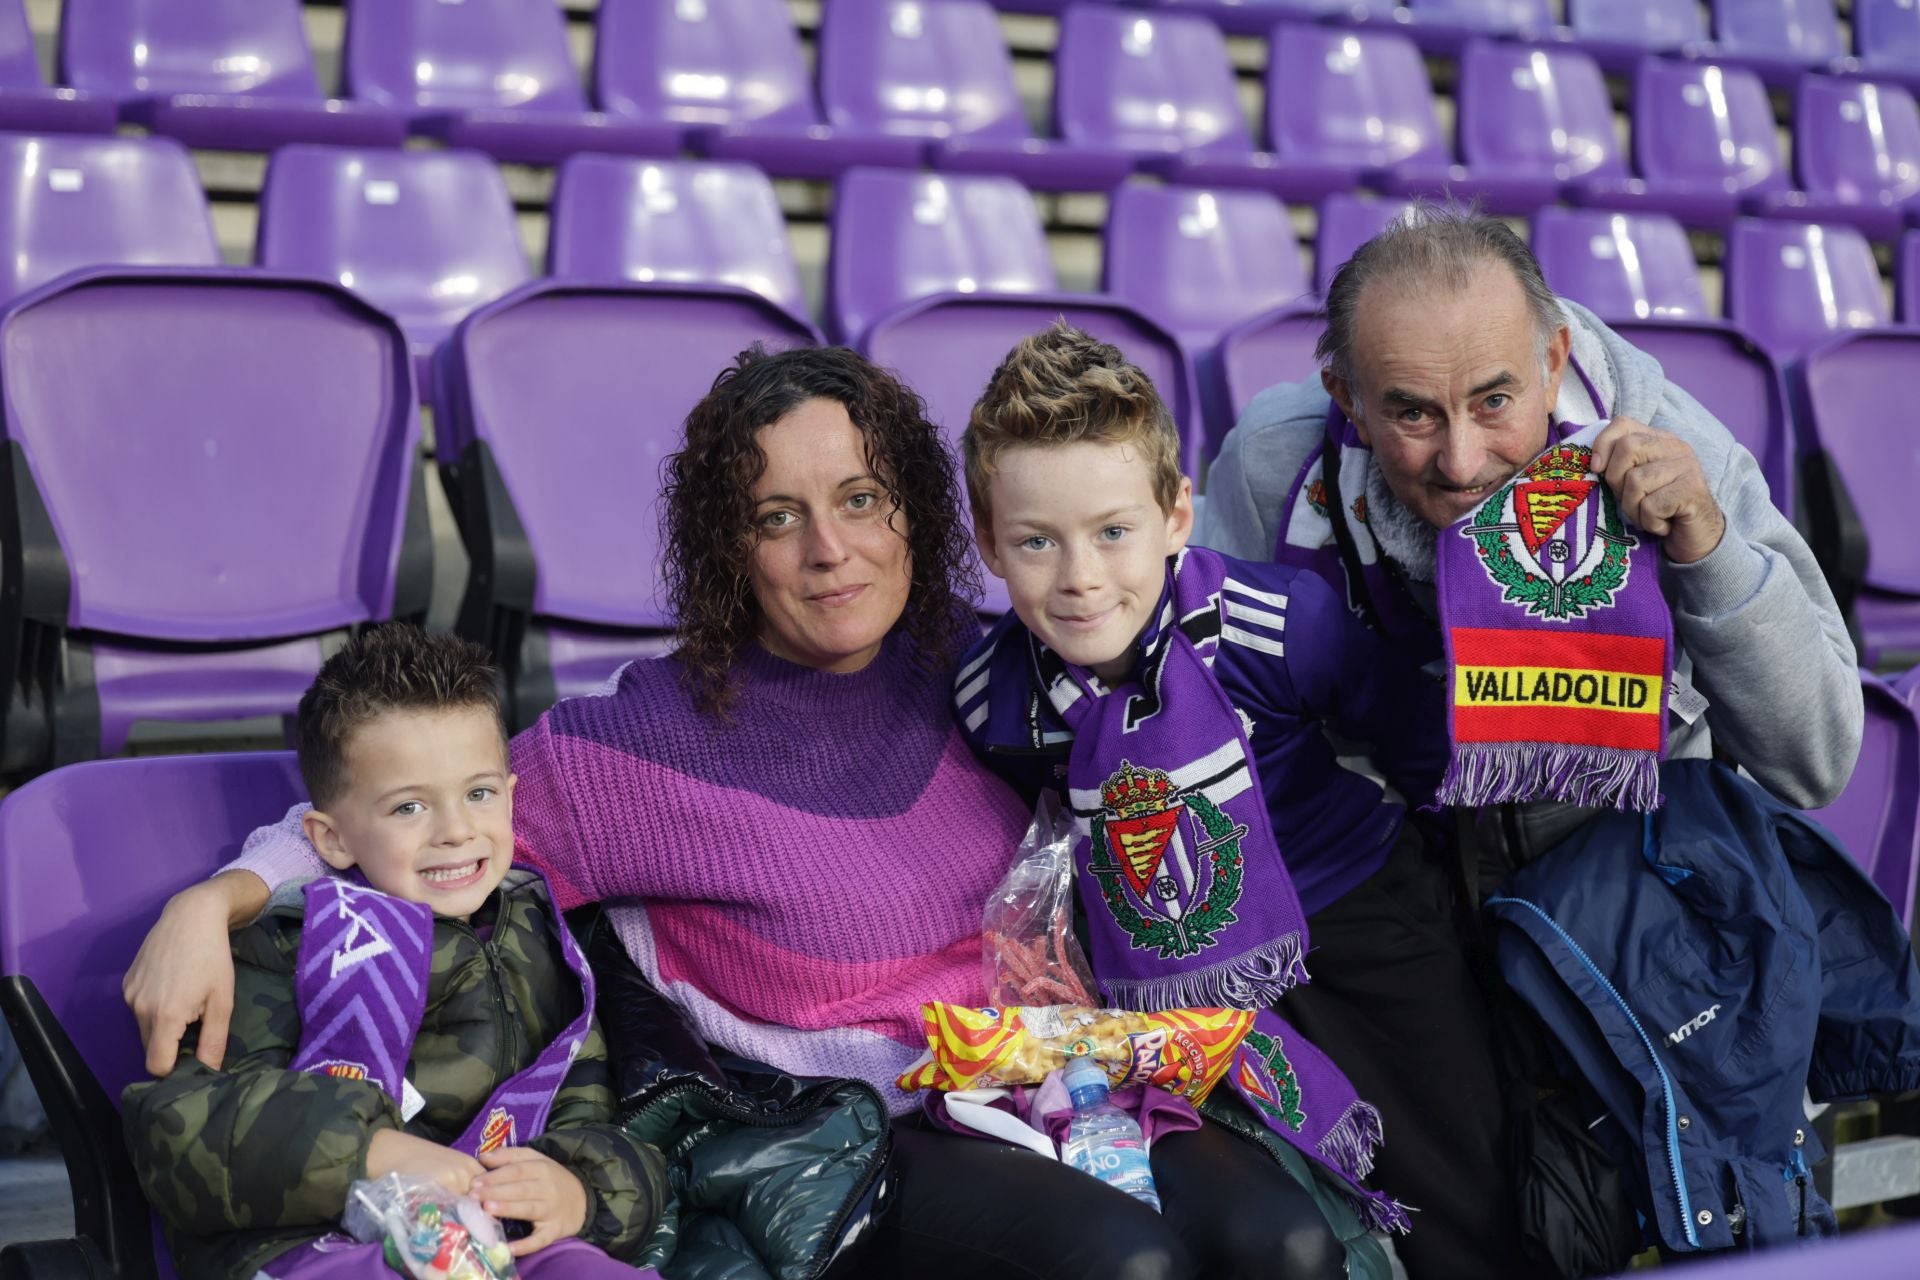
(1346, 223)
(69, 202)
(555, 406)
(938, 71)
(1856, 148)
(1877, 816)
(1256, 17)
(213, 73)
(1532, 123)
(1735, 381)
(1792, 285)
(163, 413)
(1199, 262)
(946, 347)
(1623, 266)
(493, 75)
(1779, 39)
(1848, 415)
(1258, 353)
(1886, 40)
(1703, 137)
(1907, 282)
(1618, 33)
(426, 236)
(731, 72)
(674, 222)
(1443, 26)
(902, 236)
(27, 105)
(1343, 104)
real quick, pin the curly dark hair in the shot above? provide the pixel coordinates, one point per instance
(706, 513)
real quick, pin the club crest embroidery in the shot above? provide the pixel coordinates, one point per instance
(1168, 862)
(1557, 554)
(499, 1131)
(341, 1069)
(1317, 497)
(1269, 1081)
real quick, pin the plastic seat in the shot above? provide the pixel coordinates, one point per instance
(27, 105)
(1265, 351)
(234, 74)
(68, 202)
(939, 71)
(1703, 137)
(1444, 26)
(901, 236)
(492, 75)
(554, 409)
(1256, 17)
(1617, 33)
(1346, 223)
(1199, 262)
(672, 221)
(426, 236)
(1886, 40)
(1907, 282)
(1778, 39)
(1792, 285)
(1622, 266)
(1344, 104)
(1856, 148)
(732, 73)
(155, 420)
(1877, 816)
(1843, 393)
(946, 347)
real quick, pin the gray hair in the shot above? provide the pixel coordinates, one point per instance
(1433, 244)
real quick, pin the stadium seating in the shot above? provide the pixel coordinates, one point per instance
(1618, 33)
(1344, 104)
(1886, 40)
(27, 105)
(210, 472)
(1778, 39)
(674, 221)
(900, 236)
(426, 236)
(1842, 397)
(1444, 26)
(1856, 149)
(213, 73)
(1623, 266)
(1877, 816)
(1268, 349)
(492, 75)
(1703, 137)
(554, 407)
(939, 71)
(1346, 223)
(1199, 262)
(1254, 17)
(1907, 281)
(68, 202)
(1791, 285)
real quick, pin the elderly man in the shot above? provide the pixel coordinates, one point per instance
(1448, 363)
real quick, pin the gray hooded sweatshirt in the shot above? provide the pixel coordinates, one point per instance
(1756, 629)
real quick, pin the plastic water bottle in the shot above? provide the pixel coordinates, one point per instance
(1102, 1139)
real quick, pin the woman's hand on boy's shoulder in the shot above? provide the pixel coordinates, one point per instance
(530, 1186)
(183, 973)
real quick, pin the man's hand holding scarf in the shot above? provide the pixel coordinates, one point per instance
(1661, 488)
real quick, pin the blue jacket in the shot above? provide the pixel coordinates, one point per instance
(1699, 967)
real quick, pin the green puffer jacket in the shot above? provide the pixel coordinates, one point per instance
(246, 1163)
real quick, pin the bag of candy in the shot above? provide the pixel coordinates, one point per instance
(1032, 956)
(429, 1232)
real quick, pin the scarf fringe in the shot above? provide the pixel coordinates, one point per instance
(1350, 1144)
(1251, 980)
(1595, 777)
(1381, 1212)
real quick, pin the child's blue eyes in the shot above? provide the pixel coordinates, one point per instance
(409, 808)
(1112, 533)
(1035, 543)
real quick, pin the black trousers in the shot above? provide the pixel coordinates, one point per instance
(967, 1209)
(1396, 1001)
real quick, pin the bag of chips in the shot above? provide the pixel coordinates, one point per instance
(1184, 1051)
(429, 1232)
(1032, 957)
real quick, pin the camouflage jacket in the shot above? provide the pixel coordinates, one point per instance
(248, 1162)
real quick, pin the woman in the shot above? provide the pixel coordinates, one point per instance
(793, 841)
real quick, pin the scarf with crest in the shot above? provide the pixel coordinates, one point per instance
(1187, 896)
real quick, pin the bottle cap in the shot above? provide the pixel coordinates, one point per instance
(1081, 1073)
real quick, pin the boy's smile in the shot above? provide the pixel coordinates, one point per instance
(1082, 543)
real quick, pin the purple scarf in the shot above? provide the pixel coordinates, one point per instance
(1558, 642)
(364, 965)
(1187, 896)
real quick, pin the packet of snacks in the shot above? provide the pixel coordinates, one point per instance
(1184, 1051)
(1031, 955)
(429, 1232)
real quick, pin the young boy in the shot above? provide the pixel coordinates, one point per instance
(426, 1013)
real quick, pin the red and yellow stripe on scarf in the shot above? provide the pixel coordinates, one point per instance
(1530, 686)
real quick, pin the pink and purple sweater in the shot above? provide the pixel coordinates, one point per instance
(799, 878)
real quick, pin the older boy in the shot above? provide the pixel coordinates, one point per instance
(488, 1077)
